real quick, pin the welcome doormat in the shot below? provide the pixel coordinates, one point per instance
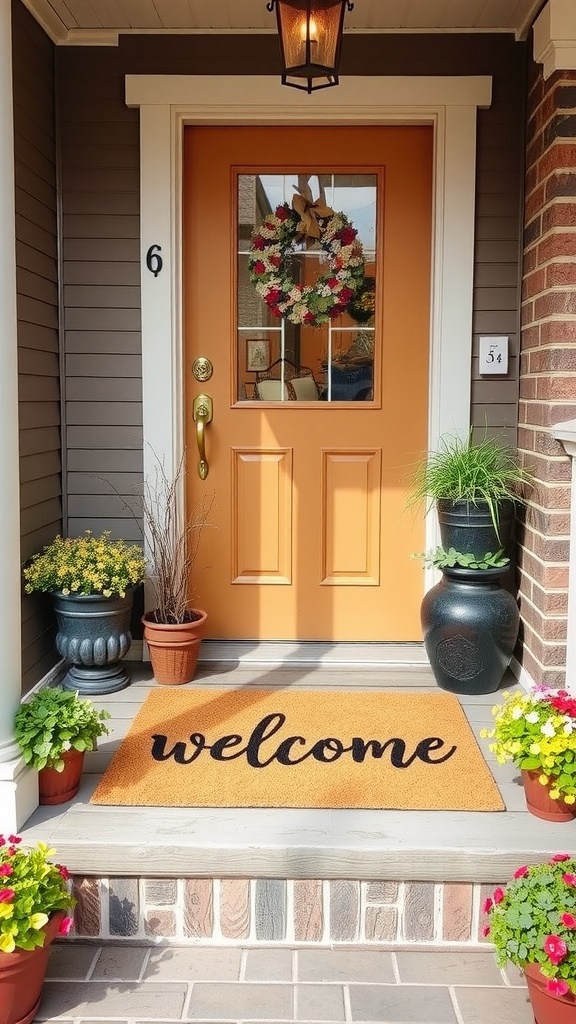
(297, 748)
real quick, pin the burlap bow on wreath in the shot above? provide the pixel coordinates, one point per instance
(309, 210)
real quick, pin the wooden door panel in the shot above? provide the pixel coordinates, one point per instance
(351, 520)
(262, 516)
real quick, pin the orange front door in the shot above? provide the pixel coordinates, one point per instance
(311, 540)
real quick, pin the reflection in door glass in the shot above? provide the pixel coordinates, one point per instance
(281, 361)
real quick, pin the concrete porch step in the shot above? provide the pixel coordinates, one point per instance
(229, 875)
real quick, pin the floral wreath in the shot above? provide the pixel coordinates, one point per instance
(309, 305)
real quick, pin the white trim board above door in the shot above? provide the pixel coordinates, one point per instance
(168, 102)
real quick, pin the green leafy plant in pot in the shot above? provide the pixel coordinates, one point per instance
(174, 627)
(35, 907)
(532, 924)
(91, 580)
(54, 729)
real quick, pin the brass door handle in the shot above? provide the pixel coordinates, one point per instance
(202, 415)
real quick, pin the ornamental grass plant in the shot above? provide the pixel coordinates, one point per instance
(467, 470)
(32, 889)
(532, 920)
(55, 721)
(537, 732)
(85, 565)
(173, 536)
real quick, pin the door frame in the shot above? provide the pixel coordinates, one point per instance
(169, 102)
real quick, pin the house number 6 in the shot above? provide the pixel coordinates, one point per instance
(154, 261)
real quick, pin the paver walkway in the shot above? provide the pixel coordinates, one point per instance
(273, 985)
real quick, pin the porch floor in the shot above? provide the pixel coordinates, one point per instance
(289, 843)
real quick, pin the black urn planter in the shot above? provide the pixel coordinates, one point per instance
(94, 634)
(470, 625)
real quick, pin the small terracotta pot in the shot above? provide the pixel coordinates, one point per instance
(540, 803)
(22, 976)
(59, 787)
(174, 649)
(548, 1008)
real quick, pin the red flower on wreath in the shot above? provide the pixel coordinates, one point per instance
(258, 267)
(347, 235)
(273, 295)
(282, 213)
(258, 242)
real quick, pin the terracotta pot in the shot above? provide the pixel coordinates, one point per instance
(59, 787)
(539, 802)
(22, 977)
(548, 1008)
(174, 648)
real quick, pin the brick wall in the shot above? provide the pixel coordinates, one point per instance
(548, 367)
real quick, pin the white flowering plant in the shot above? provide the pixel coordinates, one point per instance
(536, 730)
(533, 921)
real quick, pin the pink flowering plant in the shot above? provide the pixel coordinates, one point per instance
(533, 921)
(537, 732)
(32, 889)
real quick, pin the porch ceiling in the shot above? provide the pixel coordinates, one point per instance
(76, 22)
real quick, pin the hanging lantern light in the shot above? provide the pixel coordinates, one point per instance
(310, 34)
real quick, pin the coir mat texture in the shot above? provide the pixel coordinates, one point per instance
(297, 748)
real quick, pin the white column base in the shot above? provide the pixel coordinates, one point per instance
(18, 794)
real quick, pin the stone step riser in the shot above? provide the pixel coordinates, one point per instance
(260, 910)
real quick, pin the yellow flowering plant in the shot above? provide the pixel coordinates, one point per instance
(85, 565)
(536, 730)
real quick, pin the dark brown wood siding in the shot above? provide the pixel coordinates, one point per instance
(101, 287)
(38, 345)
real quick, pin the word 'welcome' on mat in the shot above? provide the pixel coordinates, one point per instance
(300, 748)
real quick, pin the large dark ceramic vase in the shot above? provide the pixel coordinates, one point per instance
(470, 625)
(94, 634)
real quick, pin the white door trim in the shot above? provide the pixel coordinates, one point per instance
(168, 102)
